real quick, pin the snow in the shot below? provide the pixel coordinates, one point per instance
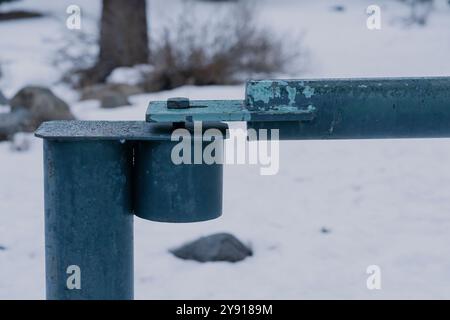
(129, 75)
(385, 202)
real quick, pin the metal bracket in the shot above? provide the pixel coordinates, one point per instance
(224, 110)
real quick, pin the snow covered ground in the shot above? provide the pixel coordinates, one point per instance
(385, 203)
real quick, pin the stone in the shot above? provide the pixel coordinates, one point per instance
(325, 230)
(338, 8)
(41, 104)
(100, 91)
(12, 122)
(216, 247)
(3, 100)
(114, 100)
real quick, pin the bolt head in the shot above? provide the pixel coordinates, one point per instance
(178, 103)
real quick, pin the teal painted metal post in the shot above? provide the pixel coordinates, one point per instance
(97, 175)
(88, 220)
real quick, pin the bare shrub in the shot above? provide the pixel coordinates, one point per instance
(419, 11)
(227, 48)
(223, 50)
(77, 53)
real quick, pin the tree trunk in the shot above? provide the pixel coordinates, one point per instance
(123, 38)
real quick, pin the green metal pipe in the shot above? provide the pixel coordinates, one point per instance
(355, 108)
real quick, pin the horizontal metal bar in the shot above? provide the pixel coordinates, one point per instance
(358, 108)
(300, 109)
(322, 93)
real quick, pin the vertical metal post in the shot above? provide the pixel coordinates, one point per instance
(97, 174)
(88, 219)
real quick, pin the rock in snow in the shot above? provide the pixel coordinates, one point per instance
(114, 100)
(3, 100)
(216, 247)
(100, 91)
(41, 104)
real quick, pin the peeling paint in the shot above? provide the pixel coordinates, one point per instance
(292, 93)
(311, 108)
(277, 92)
(262, 91)
(308, 92)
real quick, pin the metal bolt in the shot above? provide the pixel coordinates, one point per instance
(178, 103)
